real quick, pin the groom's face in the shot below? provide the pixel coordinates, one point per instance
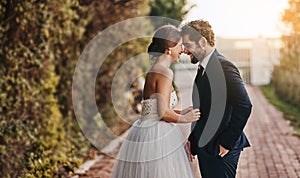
(193, 49)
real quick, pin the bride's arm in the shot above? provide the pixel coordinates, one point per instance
(177, 111)
(164, 89)
(184, 111)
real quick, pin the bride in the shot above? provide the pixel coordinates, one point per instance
(154, 147)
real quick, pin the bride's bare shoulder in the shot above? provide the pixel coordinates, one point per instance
(159, 70)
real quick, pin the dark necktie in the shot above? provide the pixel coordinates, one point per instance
(200, 73)
(201, 70)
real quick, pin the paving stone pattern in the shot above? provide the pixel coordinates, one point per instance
(275, 152)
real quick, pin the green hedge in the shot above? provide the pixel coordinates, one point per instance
(35, 135)
(285, 78)
(40, 42)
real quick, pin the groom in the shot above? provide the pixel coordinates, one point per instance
(219, 156)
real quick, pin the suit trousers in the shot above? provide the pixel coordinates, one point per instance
(212, 166)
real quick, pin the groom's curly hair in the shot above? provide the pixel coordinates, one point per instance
(197, 29)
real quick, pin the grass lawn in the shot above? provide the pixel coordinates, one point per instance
(289, 111)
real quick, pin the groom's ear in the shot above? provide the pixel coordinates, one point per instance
(202, 42)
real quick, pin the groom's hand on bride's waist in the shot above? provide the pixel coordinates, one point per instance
(188, 151)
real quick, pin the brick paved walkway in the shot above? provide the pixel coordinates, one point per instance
(275, 152)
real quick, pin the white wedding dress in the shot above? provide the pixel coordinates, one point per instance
(153, 148)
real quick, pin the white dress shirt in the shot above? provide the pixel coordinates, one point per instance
(205, 61)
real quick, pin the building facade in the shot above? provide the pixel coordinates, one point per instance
(255, 58)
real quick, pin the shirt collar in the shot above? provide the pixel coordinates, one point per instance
(206, 59)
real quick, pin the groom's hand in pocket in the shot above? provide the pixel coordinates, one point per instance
(188, 151)
(223, 151)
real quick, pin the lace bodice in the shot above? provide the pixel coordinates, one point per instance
(149, 106)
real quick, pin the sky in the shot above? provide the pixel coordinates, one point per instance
(241, 18)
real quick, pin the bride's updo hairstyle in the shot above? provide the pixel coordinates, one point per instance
(165, 37)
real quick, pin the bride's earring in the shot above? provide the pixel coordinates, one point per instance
(169, 52)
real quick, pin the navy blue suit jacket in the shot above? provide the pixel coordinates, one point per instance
(237, 110)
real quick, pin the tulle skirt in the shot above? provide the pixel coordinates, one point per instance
(153, 149)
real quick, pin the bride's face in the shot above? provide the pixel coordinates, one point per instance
(176, 51)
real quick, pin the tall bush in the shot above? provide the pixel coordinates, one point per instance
(34, 37)
(174, 9)
(286, 75)
(103, 14)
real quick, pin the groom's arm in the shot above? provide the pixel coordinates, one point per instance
(193, 143)
(240, 103)
(188, 151)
